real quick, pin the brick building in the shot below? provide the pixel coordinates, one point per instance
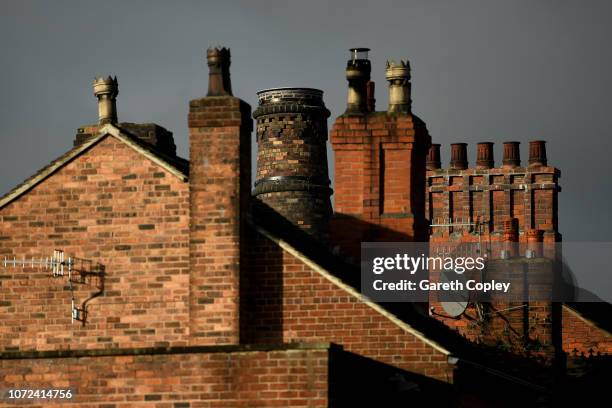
(190, 288)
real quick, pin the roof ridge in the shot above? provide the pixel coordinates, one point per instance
(176, 167)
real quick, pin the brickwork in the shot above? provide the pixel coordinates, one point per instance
(201, 304)
(490, 196)
(580, 336)
(292, 174)
(115, 207)
(380, 173)
(488, 204)
(85, 132)
(219, 184)
(149, 133)
(290, 302)
(200, 378)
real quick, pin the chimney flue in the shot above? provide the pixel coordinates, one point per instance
(218, 60)
(106, 90)
(371, 96)
(484, 155)
(459, 156)
(512, 154)
(537, 153)
(433, 157)
(398, 75)
(296, 188)
(358, 75)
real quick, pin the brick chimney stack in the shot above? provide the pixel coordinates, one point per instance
(380, 160)
(292, 174)
(220, 128)
(512, 154)
(219, 84)
(398, 75)
(106, 90)
(358, 75)
(484, 155)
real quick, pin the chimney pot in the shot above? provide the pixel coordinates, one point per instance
(433, 157)
(512, 154)
(106, 90)
(358, 70)
(484, 155)
(218, 60)
(537, 153)
(459, 156)
(398, 75)
(359, 53)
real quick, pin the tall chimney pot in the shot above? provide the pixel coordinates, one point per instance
(358, 70)
(484, 155)
(512, 154)
(537, 153)
(106, 90)
(218, 60)
(459, 156)
(433, 157)
(398, 75)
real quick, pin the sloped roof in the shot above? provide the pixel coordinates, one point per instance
(519, 370)
(593, 313)
(175, 165)
(315, 266)
(346, 276)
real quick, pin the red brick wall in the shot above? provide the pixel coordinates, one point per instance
(583, 337)
(219, 183)
(116, 207)
(283, 378)
(491, 196)
(380, 173)
(290, 302)
(349, 177)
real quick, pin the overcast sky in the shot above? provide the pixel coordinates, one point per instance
(482, 71)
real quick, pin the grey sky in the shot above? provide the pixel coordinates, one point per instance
(482, 71)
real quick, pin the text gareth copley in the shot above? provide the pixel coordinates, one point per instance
(425, 284)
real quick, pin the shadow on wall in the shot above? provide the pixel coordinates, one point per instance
(357, 381)
(348, 232)
(262, 278)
